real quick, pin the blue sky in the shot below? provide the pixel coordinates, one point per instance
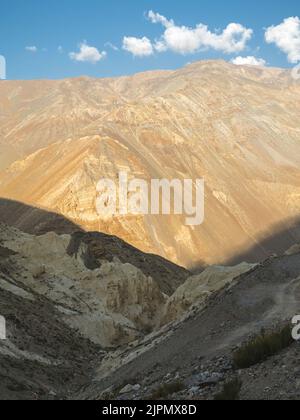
(31, 32)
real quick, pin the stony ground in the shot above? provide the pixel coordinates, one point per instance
(47, 355)
(42, 358)
(197, 353)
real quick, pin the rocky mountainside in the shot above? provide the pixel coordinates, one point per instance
(90, 317)
(193, 358)
(68, 301)
(108, 301)
(235, 126)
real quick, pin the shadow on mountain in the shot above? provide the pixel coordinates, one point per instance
(38, 222)
(33, 220)
(282, 237)
(100, 246)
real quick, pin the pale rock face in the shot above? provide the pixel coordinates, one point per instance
(295, 249)
(129, 292)
(196, 290)
(112, 305)
(237, 127)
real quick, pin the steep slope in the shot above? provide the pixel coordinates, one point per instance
(100, 246)
(81, 323)
(108, 301)
(68, 301)
(195, 291)
(197, 352)
(237, 127)
(42, 357)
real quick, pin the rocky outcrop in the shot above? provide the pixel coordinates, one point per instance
(197, 289)
(110, 305)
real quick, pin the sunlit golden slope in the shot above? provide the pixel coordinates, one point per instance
(238, 127)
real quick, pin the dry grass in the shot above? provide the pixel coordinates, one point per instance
(262, 347)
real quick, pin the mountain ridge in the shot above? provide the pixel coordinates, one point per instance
(234, 126)
(154, 71)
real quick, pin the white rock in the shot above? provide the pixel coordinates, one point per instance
(197, 288)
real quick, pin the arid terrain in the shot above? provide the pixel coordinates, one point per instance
(235, 126)
(90, 317)
(145, 307)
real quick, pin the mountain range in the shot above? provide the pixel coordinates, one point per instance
(237, 127)
(145, 307)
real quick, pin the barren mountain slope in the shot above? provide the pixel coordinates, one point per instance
(79, 321)
(237, 127)
(68, 301)
(198, 351)
(42, 358)
(93, 281)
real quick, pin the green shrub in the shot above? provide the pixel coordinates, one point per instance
(166, 389)
(231, 391)
(262, 347)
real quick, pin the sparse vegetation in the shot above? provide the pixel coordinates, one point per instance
(231, 391)
(262, 347)
(166, 389)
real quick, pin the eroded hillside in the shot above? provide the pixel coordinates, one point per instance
(90, 317)
(237, 127)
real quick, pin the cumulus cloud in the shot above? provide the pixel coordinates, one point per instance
(139, 47)
(88, 54)
(157, 18)
(185, 40)
(32, 49)
(249, 61)
(286, 36)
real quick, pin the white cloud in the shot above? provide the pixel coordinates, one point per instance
(185, 40)
(88, 54)
(157, 18)
(139, 47)
(32, 49)
(286, 36)
(249, 61)
(160, 46)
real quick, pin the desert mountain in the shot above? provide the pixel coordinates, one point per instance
(237, 127)
(90, 317)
